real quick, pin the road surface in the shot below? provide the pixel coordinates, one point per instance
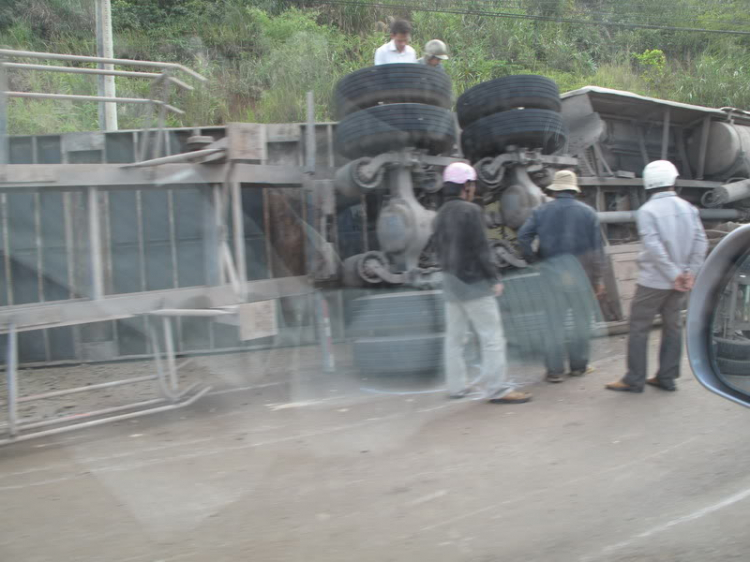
(284, 463)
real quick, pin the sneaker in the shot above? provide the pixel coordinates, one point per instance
(512, 397)
(553, 377)
(458, 395)
(578, 373)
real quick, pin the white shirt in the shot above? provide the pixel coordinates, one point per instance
(673, 240)
(388, 54)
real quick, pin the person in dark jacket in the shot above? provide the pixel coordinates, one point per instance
(470, 285)
(570, 245)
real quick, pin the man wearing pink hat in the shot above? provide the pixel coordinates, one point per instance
(470, 285)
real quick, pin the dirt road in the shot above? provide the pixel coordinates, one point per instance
(284, 463)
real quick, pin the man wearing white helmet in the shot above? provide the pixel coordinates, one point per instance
(435, 52)
(674, 247)
(470, 285)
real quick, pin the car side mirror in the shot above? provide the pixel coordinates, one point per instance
(718, 319)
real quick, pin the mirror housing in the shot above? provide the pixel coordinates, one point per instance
(703, 302)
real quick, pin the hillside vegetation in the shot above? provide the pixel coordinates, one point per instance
(261, 56)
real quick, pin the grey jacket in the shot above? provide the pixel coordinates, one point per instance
(673, 238)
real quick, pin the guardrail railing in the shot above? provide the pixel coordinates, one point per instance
(158, 99)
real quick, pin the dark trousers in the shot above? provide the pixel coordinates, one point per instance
(570, 309)
(646, 304)
(577, 340)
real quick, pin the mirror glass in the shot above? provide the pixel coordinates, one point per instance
(731, 328)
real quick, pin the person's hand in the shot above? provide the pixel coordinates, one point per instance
(684, 282)
(599, 290)
(498, 289)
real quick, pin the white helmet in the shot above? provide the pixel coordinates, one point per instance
(660, 173)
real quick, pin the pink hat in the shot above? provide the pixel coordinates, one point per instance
(460, 173)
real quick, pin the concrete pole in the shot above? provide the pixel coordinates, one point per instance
(105, 48)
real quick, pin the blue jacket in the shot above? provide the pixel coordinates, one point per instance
(565, 226)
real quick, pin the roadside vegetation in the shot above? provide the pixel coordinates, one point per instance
(261, 56)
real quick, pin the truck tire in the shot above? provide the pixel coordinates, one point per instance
(390, 314)
(733, 349)
(397, 355)
(509, 92)
(386, 128)
(733, 367)
(392, 83)
(527, 128)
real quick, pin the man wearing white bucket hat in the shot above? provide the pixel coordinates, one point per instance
(674, 247)
(470, 285)
(570, 245)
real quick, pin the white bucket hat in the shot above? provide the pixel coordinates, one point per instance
(565, 180)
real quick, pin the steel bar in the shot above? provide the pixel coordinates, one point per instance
(95, 245)
(69, 177)
(169, 350)
(122, 417)
(610, 217)
(75, 97)
(97, 72)
(162, 119)
(175, 158)
(238, 231)
(79, 389)
(80, 58)
(12, 374)
(702, 151)
(166, 389)
(4, 152)
(94, 413)
(6, 249)
(665, 134)
(187, 312)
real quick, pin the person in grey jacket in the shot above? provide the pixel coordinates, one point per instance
(674, 247)
(470, 286)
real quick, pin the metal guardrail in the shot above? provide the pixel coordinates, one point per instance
(160, 81)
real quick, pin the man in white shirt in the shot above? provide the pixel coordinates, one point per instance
(397, 49)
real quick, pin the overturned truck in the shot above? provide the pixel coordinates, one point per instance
(398, 133)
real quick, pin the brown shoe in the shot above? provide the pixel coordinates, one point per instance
(657, 383)
(622, 387)
(553, 377)
(512, 397)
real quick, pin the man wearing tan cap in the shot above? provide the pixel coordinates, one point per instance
(435, 52)
(570, 245)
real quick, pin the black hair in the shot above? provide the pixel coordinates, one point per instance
(452, 189)
(400, 26)
(660, 189)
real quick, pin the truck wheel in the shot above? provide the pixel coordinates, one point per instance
(392, 83)
(396, 355)
(733, 367)
(509, 92)
(412, 312)
(386, 128)
(526, 128)
(733, 349)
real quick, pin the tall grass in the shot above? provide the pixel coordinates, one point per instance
(261, 56)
